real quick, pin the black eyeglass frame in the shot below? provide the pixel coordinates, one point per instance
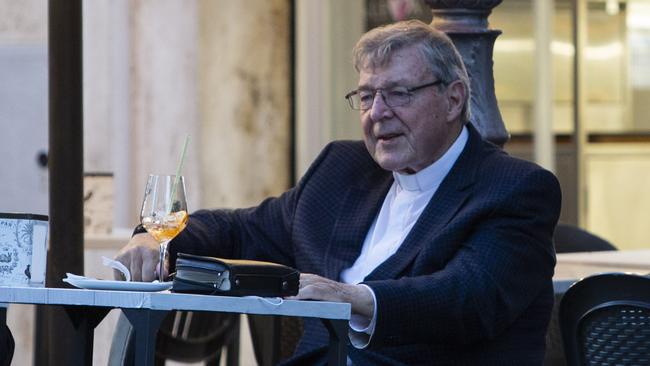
(410, 92)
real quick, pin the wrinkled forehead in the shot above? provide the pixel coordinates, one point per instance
(400, 67)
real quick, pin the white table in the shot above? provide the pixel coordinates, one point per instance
(146, 310)
(571, 267)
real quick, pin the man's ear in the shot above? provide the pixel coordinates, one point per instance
(456, 93)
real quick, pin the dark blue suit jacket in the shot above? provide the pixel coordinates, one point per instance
(471, 283)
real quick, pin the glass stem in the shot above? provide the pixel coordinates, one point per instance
(161, 263)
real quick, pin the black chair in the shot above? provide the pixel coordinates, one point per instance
(188, 336)
(571, 239)
(568, 239)
(185, 336)
(7, 344)
(605, 320)
(201, 336)
(274, 337)
(194, 336)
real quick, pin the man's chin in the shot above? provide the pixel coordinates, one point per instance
(387, 163)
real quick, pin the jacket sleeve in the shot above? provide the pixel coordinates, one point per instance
(501, 267)
(263, 232)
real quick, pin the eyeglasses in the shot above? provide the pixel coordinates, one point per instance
(362, 99)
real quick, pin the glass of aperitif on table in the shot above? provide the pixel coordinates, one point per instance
(164, 212)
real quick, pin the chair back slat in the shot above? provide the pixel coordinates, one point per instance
(616, 335)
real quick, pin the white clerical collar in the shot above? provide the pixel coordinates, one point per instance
(431, 176)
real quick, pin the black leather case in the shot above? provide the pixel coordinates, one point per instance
(233, 277)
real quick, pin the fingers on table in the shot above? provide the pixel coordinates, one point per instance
(319, 288)
(149, 269)
(141, 262)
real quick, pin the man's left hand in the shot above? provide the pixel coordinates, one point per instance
(313, 287)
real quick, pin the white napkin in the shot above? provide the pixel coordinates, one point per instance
(107, 262)
(118, 266)
(77, 277)
(72, 279)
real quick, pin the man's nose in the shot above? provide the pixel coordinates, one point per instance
(380, 109)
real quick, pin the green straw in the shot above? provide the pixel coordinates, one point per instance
(178, 170)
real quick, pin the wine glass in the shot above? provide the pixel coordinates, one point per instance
(164, 211)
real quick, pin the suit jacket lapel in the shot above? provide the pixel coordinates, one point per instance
(359, 209)
(445, 203)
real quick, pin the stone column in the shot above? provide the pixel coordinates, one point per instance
(465, 22)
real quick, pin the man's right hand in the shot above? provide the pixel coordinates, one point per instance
(140, 256)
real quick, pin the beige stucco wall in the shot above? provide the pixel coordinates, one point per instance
(215, 69)
(163, 83)
(244, 100)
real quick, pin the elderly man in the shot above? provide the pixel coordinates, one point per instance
(440, 241)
